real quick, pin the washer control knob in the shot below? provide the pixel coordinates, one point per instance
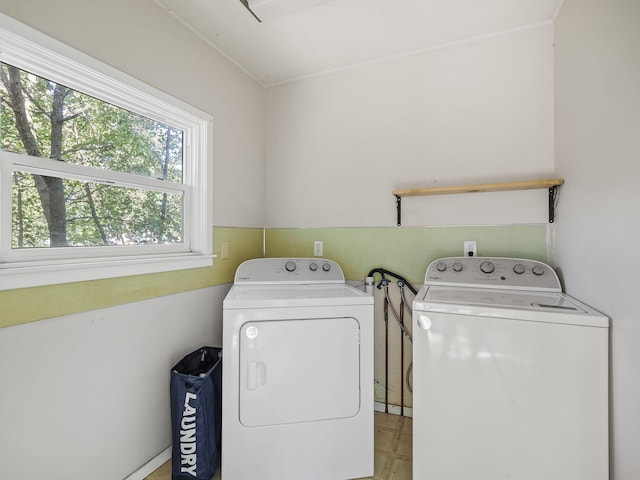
(441, 266)
(487, 267)
(538, 270)
(326, 267)
(313, 267)
(290, 266)
(457, 267)
(518, 268)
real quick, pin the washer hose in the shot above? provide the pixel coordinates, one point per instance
(401, 282)
(384, 271)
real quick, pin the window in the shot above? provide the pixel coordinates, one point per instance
(100, 175)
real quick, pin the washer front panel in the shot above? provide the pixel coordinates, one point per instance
(497, 398)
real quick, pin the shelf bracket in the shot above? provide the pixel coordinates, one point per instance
(551, 184)
(399, 209)
(553, 194)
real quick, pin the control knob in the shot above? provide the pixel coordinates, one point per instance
(487, 267)
(538, 270)
(518, 268)
(290, 266)
(441, 266)
(313, 266)
(457, 267)
(326, 267)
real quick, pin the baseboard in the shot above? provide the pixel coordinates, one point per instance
(156, 462)
(393, 409)
(151, 466)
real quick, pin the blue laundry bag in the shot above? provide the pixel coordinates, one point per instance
(196, 414)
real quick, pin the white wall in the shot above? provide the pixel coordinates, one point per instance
(86, 396)
(481, 111)
(598, 151)
(146, 42)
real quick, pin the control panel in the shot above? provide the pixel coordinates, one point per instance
(497, 272)
(289, 270)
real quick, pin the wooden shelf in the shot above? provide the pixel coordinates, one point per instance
(551, 184)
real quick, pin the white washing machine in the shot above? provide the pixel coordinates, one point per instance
(510, 375)
(297, 395)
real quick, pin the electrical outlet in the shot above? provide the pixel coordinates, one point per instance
(318, 247)
(470, 248)
(224, 250)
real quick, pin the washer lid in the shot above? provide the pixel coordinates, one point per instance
(501, 298)
(520, 305)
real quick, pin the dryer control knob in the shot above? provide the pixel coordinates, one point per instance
(538, 270)
(457, 267)
(487, 267)
(518, 268)
(441, 266)
(326, 267)
(313, 267)
(290, 266)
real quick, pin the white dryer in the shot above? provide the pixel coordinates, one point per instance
(297, 396)
(510, 375)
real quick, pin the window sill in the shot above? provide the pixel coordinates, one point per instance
(35, 274)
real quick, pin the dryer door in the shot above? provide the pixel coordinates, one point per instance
(299, 371)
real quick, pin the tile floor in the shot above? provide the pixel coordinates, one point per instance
(393, 435)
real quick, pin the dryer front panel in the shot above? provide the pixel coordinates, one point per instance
(299, 370)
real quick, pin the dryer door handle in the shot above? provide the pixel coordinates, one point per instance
(256, 374)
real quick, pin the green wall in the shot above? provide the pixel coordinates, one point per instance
(405, 250)
(37, 303)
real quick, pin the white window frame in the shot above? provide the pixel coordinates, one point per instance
(37, 53)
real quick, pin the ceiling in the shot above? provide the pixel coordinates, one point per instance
(334, 34)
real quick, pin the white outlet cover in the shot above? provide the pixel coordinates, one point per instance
(470, 248)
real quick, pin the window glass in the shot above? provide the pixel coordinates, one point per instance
(41, 118)
(45, 119)
(95, 214)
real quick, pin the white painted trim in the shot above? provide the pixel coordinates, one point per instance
(120, 88)
(193, 30)
(443, 46)
(557, 12)
(34, 274)
(29, 49)
(151, 466)
(156, 462)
